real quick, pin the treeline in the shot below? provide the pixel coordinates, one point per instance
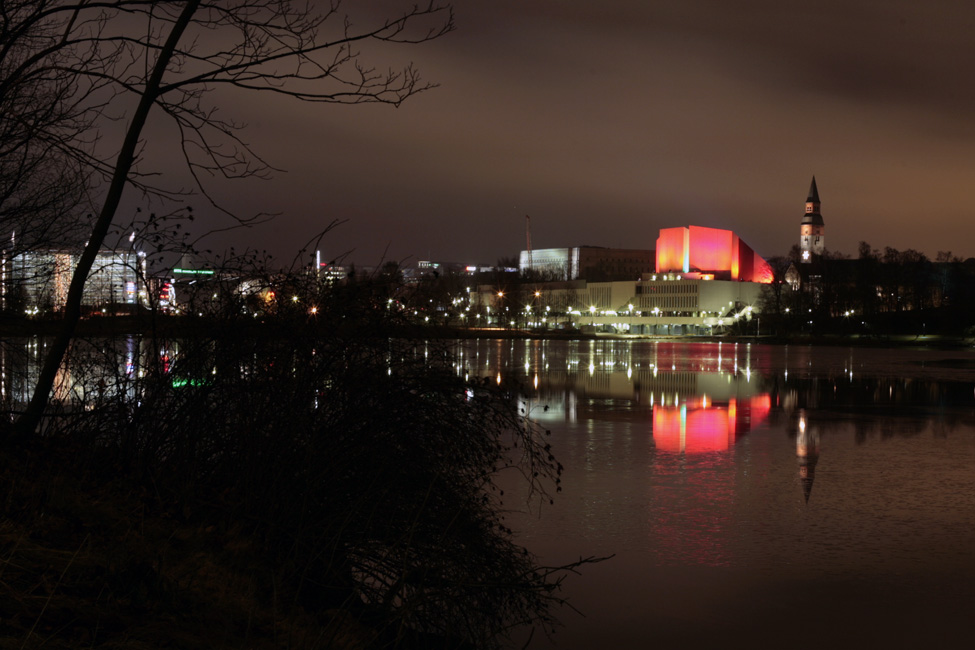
(877, 293)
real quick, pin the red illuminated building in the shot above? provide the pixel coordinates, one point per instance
(696, 251)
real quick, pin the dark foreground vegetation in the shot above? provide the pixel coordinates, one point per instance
(310, 483)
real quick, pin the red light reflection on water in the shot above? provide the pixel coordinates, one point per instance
(699, 425)
(693, 491)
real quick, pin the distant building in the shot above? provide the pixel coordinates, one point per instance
(443, 267)
(592, 263)
(426, 269)
(658, 304)
(709, 253)
(706, 280)
(36, 281)
(812, 230)
(334, 272)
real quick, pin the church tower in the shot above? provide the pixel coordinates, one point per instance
(812, 232)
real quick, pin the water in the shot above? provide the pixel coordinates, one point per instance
(753, 495)
(94, 368)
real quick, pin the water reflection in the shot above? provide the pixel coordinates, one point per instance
(696, 465)
(807, 451)
(703, 397)
(94, 369)
(702, 425)
(621, 403)
(608, 376)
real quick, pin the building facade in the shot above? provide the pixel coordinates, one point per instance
(705, 280)
(591, 263)
(38, 281)
(709, 253)
(658, 304)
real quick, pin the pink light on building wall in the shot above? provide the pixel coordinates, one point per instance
(753, 268)
(736, 246)
(670, 250)
(709, 251)
(712, 250)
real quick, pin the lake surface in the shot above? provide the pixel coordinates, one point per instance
(752, 495)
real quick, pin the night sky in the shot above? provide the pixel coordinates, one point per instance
(608, 121)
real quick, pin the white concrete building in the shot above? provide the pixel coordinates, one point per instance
(657, 304)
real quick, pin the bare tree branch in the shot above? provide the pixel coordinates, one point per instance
(68, 69)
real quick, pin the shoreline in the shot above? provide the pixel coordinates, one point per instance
(168, 326)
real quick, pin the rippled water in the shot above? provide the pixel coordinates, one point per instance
(752, 495)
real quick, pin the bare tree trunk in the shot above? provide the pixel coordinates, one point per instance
(28, 422)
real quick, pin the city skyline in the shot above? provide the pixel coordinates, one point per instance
(606, 123)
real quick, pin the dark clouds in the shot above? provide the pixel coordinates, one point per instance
(607, 121)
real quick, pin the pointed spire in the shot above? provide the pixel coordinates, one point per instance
(812, 206)
(813, 192)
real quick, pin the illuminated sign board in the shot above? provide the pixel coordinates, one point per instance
(194, 271)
